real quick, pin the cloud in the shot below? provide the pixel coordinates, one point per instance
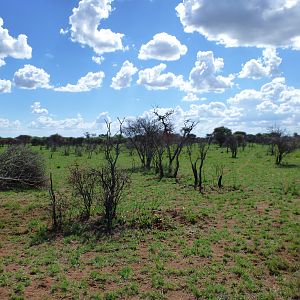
(152, 78)
(103, 118)
(274, 102)
(46, 122)
(74, 125)
(162, 47)
(13, 47)
(31, 77)
(258, 23)
(267, 66)
(86, 83)
(7, 124)
(190, 97)
(98, 59)
(204, 78)
(5, 86)
(124, 77)
(250, 110)
(85, 21)
(36, 108)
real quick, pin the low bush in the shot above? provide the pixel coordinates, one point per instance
(22, 168)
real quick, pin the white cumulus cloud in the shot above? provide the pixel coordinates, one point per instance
(153, 79)
(258, 23)
(36, 108)
(86, 83)
(76, 123)
(204, 78)
(7, 124)
(85, 22)
(267, 66)
(5, 86)
(124, 77)
(13, 47)
(273, 102)
(98, 59)
(190, 97)
(31, 77)
(163, 46)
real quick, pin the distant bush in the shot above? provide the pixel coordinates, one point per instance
(21, 168)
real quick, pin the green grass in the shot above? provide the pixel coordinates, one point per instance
(241, 242)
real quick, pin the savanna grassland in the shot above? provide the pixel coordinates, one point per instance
(169, 242)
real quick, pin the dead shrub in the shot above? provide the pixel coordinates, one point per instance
(22, 168)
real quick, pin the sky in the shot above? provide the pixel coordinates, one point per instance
(67, 66)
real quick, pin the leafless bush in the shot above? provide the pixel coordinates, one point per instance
(112, 179)
(112, 182)
(84, 182)
(21, 168)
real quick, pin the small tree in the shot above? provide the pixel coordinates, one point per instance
(142, 133)
(232, 143)
(197, 161)
(283, 144)
(220, 135)
(21, 167)
(112, 179)
(173, 142)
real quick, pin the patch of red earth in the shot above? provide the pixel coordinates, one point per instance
(4, 293)
(179, 295)
(39, 289)
(261, 207)
(218, 250)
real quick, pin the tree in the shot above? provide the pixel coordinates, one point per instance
(197, 161)
(142, 134)
(232, 143)
(220, 135)
(241, 137)
(282, 143)
(173, 142)
(23, 139)
(112, 179)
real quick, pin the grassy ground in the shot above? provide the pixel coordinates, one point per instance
(170, 242)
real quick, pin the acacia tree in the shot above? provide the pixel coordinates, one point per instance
(142, 134)
(220, 135)
(232, 143)
(283, 144)
(173, 143)
(197, 160)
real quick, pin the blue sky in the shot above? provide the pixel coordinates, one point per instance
(66, 66)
